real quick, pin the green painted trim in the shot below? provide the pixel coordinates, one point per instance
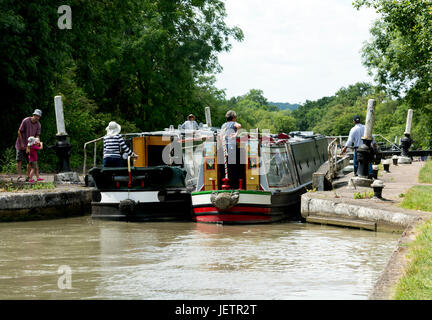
(240, 191)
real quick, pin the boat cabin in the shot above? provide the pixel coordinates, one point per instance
(273, 162)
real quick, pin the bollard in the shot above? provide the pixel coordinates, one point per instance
(377, 186)
(406, 141)
(364, 157)
(386, 164)
(405, 145)
(62, 148)
(365, 152)
(375, 171)
(395, 160)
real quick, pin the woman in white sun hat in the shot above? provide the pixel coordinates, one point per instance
(114, 145)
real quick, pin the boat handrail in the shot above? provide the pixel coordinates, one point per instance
(332, 157)
(94, 152)
(95, 147)
(375, 135)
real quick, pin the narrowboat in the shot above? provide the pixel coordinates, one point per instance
(271, 173)
(149, 188)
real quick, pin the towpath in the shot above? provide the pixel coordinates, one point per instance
(19, 201)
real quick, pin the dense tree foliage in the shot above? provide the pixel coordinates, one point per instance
(400, 55)
(254, 111)
(150, 57)
(333, 115)
(401, 45)
(32, 49)
(143, 63)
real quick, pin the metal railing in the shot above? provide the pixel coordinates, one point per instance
(94, 153)
(332, 158)
(374, 135)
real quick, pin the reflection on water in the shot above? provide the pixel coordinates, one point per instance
(115, 260)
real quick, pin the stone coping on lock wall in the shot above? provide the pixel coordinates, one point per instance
(60, 201)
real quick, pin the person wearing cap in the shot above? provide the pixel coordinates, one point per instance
(355, 140)
(113, 145)
(190, 123)
(30, 126)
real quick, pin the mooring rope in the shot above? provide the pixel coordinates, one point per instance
(226, 161)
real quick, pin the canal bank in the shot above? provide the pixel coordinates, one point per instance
(344, 207)
(22, 201)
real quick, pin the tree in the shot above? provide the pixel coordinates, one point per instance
(400, 54)
(400, 51)
(32, 49)
(151, 55)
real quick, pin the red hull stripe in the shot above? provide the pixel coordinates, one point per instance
(233, 209)
(231, 217)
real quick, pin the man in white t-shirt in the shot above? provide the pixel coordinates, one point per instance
(190, 123)
(355, 140)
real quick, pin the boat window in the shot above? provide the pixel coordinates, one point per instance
(155, 155)
(279, 174)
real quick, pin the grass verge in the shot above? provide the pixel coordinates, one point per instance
(425, 175)
(6, 186)
(416, 284)
(418, 198)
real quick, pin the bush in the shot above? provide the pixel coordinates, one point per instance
(8, 162)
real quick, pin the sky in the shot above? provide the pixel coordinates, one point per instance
(295, 50)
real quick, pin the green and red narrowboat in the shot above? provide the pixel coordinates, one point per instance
(272, 173)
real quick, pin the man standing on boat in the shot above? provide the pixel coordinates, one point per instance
(228, 137)
(355, 138)
(190, 123)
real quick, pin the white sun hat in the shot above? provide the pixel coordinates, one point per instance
(31, 141)
(113, 128)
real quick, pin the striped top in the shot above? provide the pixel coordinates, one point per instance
(113, 145)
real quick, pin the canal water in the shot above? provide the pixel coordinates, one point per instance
(81, 258)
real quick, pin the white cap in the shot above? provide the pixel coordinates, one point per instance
(37, 112)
